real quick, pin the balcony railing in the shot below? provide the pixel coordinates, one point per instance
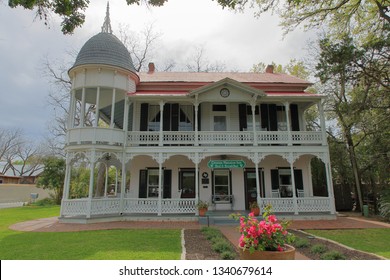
(108, 136)
(95, 135)
(223, 138)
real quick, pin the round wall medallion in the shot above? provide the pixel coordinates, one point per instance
(224, 92)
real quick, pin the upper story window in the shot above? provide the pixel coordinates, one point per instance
(154, 118)
(175, 117)
(219, 108)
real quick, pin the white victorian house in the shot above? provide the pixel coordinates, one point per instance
(177, 138)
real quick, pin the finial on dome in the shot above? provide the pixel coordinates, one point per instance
(106, 28)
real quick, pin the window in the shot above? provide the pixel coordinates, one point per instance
(219, 108)
(154, 118)
(186, 118)
(249, 118)
(153, 183)
(221, 186)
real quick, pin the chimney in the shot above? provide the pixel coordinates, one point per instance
(151, 68)
(269, 69)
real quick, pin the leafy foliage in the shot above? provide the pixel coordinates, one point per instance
(72, 12)
(53, 176)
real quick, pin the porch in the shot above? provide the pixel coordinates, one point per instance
(111, 136)
(295, 208)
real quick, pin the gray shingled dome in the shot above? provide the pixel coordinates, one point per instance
(105, 48)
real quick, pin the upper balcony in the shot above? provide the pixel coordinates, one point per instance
(223, 138)
(116, 137)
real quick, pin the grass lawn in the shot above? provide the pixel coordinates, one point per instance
(375, 241)
(93, 245)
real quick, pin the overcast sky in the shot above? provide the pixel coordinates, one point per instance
(236, 39)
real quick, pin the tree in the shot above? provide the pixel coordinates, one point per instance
(71, 12)
(10, 141)
(198, 62)
(368, 17)
(294, 67)
(53, 177)
(358, 101)
(360, 18)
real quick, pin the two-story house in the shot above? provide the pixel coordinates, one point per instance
(177, 138)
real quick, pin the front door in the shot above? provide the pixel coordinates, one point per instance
(187, 183)
(250, 186)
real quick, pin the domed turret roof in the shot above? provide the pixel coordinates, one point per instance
(105, 48)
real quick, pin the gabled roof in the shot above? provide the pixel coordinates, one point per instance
(227, 82)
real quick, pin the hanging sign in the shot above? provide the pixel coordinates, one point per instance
(213, 164)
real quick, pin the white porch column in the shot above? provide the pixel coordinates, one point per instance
(126, 115)
(322, 123)
(96, 123)
(287, 108)
(294, 197)
(256, 158)
(91, 181)
(195, 158)
(258, 184)
(68, 170)
(329, 183)
(161, 132)
(123, 185)
(160, 185)
(106, 181)
(82, 111)
(113, 107)
(196, 107)
(65, 194)
(253, 106)
(72, 109)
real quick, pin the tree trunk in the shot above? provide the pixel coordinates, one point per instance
(355, 170)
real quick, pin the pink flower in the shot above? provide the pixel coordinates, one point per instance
(272, 218)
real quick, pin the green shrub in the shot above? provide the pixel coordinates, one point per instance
(228, 255)
(333, 255)
(318, 249)
(44, 202)
(221, 246)
(219, 243)
(301, 243)
(211, 233)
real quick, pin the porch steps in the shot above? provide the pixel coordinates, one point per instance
(220, 218)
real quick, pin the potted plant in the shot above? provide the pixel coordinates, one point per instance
(202, 207)
(254, 207)
(266, 239)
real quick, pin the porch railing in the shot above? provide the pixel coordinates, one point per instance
(226, 138)
(307, 204)
(95, 135)
(111, 206)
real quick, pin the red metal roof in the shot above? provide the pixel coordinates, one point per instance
(202, 77)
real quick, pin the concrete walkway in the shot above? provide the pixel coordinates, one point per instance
(231, 231)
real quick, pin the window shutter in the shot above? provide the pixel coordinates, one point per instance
(167, 117)
(298, 179)
(294, 117)
(273, 117)
(275, 179)
(144, 117)
(175, 117)
(264, 116)
(242, 116)
(143, 179)
(167, 192)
